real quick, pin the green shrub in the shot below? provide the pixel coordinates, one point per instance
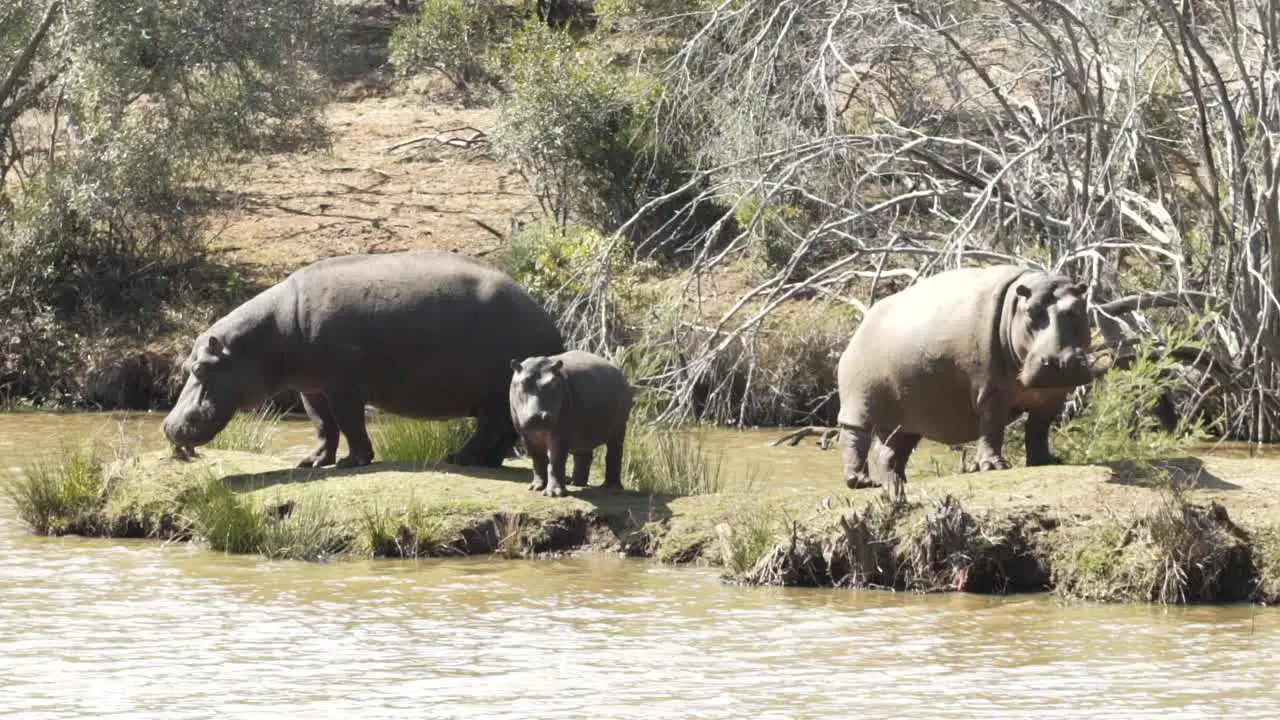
(578, 131)
(397, 438)
(1119, 421)
(59, 496)
(452, 37)
(249, 432)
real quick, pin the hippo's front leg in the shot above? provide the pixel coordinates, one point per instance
(855, 444)
(555, 477)
(349, 412)
(1039, 422)
(993, 415)
(537, 453)
(317, 407)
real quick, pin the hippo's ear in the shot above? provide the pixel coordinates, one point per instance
(1023, 291)
(215, 346)
(1080, 289)
(557, 366)
(516, 365)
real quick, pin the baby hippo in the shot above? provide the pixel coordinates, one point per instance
(569, 404)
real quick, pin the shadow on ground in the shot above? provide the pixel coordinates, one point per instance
(1185, 472)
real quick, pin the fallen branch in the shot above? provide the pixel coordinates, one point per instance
(828, 436)
(478, 137)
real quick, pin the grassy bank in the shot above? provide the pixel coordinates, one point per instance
(1198, 529)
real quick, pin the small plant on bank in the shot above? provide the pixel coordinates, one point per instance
(413, 532)
(745, 540)
(223, 519)
(658, 461)
(451, 37)
(398, 438)
(249, 432)
(60, 496)
(308, 531)
(231, 523)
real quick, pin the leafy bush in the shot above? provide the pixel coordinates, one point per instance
(578, 131)
(1119, 421)
(452, 37)
(121, 108)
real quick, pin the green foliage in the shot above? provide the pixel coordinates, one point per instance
(1119, 421)
(776, 228)
(57, 497)
(558, 264)
(658, 461)
(452, 37)
(579, 130)
(397, 438)
(249, 432)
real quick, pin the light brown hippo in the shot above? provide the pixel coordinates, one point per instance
(955, 358)
(566, 404)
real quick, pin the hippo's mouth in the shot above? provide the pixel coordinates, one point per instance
(194, 420)
(1063, 371)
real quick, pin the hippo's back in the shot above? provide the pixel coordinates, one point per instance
(418, 333)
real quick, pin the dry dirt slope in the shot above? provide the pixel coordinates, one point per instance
(360, 196)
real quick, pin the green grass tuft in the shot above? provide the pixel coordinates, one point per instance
(398, 438)
(665, 462)
(60, 496)
(249, 432)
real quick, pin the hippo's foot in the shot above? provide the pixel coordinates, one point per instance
(351, 461)
(994, 462)
(555, 489)
(317, 461)
(538, 483)
(185, 453)
(1044, 460)
(860, 481)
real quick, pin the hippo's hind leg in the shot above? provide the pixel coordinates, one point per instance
(855, 444)
(317, 407)
(1037, 435)
(895, 451)
(349, 412)
(492, 441)
(613, 458)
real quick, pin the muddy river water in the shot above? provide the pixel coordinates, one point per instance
(137, 629)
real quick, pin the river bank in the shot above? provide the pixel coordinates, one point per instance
(1197, 529)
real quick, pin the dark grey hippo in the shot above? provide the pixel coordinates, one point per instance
(955, 358)
(566, 404)
(421, 334)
